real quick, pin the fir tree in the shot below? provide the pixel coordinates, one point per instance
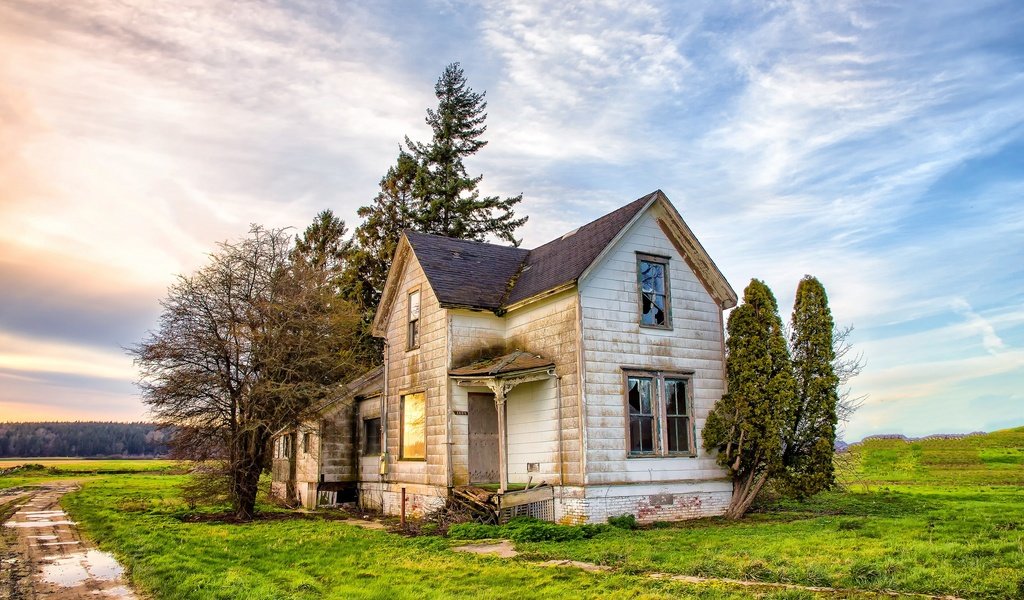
(449, 202)
(392, 211)
(810, 437)
(745, 426)
(322, 246)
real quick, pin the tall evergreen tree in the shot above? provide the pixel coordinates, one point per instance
(393, 210)
(809, 440)
(449, 201)
(745, 426)
(323, 246)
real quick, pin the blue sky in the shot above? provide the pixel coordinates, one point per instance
(877, 146)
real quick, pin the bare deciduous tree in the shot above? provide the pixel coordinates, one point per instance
(245, 346)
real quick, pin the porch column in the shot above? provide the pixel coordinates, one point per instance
(499, 404)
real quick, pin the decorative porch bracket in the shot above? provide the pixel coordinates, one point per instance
(501, 386)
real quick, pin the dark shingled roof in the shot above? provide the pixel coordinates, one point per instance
(500, 365)
(466, 273)
(562, 261)
(479, 275)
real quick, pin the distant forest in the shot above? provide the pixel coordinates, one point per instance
(81, 439)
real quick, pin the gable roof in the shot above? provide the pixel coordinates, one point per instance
(485, 276)
(562, 261)
(464, 273)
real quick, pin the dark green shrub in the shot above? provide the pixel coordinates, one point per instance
(623, 521)
(525, 529)
(474, 531)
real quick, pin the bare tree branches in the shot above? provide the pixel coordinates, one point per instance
(245, 346)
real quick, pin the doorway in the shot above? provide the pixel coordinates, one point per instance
(483, 439)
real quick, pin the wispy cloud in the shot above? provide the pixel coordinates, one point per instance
(873, 145)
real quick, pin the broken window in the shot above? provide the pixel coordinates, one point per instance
(641, 416)
(660, 417)
(677, 417)
(371, 437)
(413, 334)
(414, 427)
(305, 443)
(652, 278)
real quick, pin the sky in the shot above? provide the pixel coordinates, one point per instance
(877, 146)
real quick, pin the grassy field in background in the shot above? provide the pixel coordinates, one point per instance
(932, 516)
(54, 469)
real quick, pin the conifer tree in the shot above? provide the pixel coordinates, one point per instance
(809, 440)
(745, 427)
(449, 202)
(322, 246)
(393, 209)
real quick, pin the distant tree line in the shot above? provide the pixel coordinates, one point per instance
(81, 439)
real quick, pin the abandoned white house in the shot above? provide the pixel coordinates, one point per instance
(574, 378)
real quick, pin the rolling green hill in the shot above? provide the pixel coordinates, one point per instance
(995, 458)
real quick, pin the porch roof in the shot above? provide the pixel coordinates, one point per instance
(513, 362)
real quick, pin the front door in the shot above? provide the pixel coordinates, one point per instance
(483, 439)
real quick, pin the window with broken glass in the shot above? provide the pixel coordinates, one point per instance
(660, 416)
(652, 280)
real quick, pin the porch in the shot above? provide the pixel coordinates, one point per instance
(506, 424)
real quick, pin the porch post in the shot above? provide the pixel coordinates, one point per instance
(499, 404)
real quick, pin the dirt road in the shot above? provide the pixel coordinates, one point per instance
(44, 556)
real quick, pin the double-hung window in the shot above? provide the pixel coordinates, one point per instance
(653, 291)
(413, 333)
(660, 414)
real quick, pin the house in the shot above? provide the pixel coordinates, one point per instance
(571, 380)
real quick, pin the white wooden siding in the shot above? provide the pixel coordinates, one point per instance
(613, 339)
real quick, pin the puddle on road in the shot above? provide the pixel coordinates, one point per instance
(74, 569)
(29, 524)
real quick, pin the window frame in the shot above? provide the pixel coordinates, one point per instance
(305, 442)
(664, 261)
(629, 416)
(660, 409)
(412, 342)
(365, 450)
(401, 426)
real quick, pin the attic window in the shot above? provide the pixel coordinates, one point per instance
(413, 332)
(653, 291)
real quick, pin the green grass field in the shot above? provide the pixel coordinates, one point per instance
(934, 517)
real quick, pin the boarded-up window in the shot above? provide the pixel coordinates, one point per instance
(413, 335)
(414, 427)
(371, 437)
(677, 416)
(652, 278)
(641, 416)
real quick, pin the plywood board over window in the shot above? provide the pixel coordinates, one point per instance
(414, 427)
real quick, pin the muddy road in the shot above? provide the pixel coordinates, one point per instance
(43, 555)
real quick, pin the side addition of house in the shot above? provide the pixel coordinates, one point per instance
(569, 382)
